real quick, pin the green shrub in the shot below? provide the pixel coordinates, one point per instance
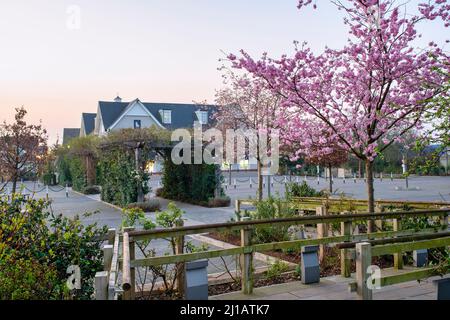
(119, 179)
(41, 247)
(193, 183)
(152, 205)
(276, 269)
(301, 190)
(28, 279)
(92, 190)
(271, 208)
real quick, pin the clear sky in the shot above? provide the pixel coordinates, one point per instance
(155, 50)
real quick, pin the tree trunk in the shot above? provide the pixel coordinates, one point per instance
(14, 185)
(370, 193)
(140, 192)
(260, 180)
(331, 179)
(359, 169)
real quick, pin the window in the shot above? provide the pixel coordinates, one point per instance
(202, 117)
(137, 124)
(166, 116)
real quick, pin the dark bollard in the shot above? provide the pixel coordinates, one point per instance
(310, 265)
(196, 280)
(442, 289)
(420, 258)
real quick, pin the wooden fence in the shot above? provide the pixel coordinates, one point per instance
(108, 282)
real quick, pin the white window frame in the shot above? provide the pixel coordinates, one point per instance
(164, 114)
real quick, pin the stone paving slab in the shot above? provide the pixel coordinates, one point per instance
(335, 288)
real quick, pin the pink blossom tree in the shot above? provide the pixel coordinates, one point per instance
(371, 92)
(247, 103)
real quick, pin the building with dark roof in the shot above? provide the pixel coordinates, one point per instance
(69, 134)
(136, 114)
(87, 124)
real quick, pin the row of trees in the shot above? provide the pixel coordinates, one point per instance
(357, 100)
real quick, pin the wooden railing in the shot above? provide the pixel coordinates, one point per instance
(128, 237)
(337, 205)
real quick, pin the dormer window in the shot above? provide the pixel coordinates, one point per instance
(202, 117)
(166, 116)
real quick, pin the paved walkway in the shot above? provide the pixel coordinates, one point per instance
(335, 288)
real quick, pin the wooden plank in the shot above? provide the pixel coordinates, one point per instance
(410, 246)
(322, 230)
(107, 256)
(346, 264)
(398, 256)
(126, 265)
(246, 262)
(423, 273)
(218, 227)
(114, 269)
(101, 285)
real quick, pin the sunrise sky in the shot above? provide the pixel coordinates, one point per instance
(155, 50)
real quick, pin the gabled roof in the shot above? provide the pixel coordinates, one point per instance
(183, 115)
(89, 122)
(69, 134)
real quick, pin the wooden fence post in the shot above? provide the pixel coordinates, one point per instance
(398, 257)
(111, 236)
(132, 249)
(181, 272)
(101, 285)
(126, 272)
(378, 223)
(346, 263)
(246, 261)
(363, 262)
(322, 231)
(107, 257)
(237, 206)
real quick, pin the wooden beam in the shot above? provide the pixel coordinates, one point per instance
(363, 262)
(126, 265)
(410, 246)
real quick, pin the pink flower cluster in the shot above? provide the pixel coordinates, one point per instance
(364, 96)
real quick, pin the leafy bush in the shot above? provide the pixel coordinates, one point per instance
(37, 247)
(92, 190)
(194, 183)
(152, 205)
(301, 190)
(276, 269)
(271, 208)
(119, 179)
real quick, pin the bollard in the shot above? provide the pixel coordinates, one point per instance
(46, 191)
(318, 179)
(250, 179)
(381, 177)
(392, 177)
(67, 190)
(344, 178)
(354, 177)
(442, 288)
(234, 183)
(196, 280)
(420, 258)
(310, 265)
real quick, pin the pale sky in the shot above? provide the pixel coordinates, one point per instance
(154, 50)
